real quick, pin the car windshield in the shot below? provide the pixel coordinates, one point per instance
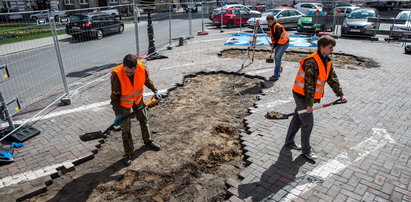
(312, 12)
(77, 18)
(14, 10)
(404, 16)
(273, 12)
(359, 14)
(318, 5)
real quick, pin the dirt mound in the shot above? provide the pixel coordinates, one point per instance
(197, 125)
(340, 60)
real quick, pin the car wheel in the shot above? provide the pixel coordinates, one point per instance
(230, 24)
(121, 29)
(113, 14)
(99, 34)
(408, 49)
(34, 18)
(56, 18)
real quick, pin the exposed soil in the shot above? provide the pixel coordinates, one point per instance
(340, 60)
(198, 125)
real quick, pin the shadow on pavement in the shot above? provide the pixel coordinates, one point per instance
(90, 71)
(80, 189)
(281, 173)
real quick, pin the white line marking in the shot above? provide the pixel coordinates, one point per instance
(273, 104)
(69, 111)
(301, 185)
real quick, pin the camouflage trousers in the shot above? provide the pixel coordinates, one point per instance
(126, 128)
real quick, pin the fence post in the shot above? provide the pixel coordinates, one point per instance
(65, 100)
(136, 16)
(6, 111)
(169, 27)
(190, 18)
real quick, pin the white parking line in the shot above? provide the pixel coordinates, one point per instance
(301, 185)
(69, 111)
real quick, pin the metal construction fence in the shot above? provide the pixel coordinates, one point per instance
(46, 56)
(49, 55)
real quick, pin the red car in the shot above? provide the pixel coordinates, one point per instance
(231, 17)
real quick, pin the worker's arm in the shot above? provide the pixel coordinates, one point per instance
(149, 83)
(334, 83)
(115, 94)
(277, 35)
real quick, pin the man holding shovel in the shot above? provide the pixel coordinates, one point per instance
(127, 88)
(315, 70)
(280, 41)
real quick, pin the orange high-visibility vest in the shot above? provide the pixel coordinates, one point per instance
(284, 35)
(321, 79)
(131, 93)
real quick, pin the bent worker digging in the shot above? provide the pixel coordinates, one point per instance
(127, 88)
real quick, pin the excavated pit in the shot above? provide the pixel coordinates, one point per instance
(340, 60)
(198, 125)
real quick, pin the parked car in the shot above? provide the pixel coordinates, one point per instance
(238, 6)
(356, 23)
(45, 14)
(381, 5)
(287, 16)
(110, 10)
(306, 24)
(260, 8)
(94, 24)
(231, 17)
(345, 10)
(305, 7)
(403, 15)
(8, 14)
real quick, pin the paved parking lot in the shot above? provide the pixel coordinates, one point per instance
(363, 146)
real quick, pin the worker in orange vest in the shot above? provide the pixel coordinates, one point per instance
(127, 88)
(315, 71)
(279, 43)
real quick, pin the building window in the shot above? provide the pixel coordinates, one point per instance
(113, 1)
(125, 1)
(68, 2)
(83, 1)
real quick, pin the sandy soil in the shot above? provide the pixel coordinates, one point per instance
(340, 60)
(197, 125)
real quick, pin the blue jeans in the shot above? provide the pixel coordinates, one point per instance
(278, 54)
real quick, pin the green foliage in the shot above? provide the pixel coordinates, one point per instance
(22, 32)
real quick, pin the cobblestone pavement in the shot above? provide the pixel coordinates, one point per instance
(363, 146)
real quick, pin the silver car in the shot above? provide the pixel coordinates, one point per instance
(45, 14)
(403, 15)
(288, 17)
(357, 23)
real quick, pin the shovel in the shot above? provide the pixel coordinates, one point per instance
(98, 134)
(278, 115)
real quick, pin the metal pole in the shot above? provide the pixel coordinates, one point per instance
(240, 20)
(190, 21)
(169, 26)
(136, 16)
(6, 111)
(221, 24)
(202, 17)
(57, 47)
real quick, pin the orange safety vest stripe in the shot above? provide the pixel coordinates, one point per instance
(321, 78)
(130, 93)
(284, 35)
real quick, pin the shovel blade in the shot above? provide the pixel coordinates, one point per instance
(269, 60)
(275, 115)
(92, 136)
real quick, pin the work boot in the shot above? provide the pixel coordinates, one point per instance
(273, 78)
(311, 155)
(128, 159)
(293, 146)
(154, 146)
